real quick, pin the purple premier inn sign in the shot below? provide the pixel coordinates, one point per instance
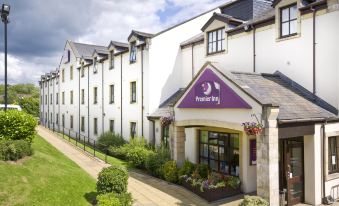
(209, 91)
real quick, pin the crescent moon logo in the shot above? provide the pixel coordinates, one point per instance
(207, 88)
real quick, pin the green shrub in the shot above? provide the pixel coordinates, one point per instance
(108, 139)
(14, 149)
(253, 201)
(203, 170)
(108, 199)
(112, 179)
(137, 142)
(171, 171)
(16, 125)
(137, 156)
(156, 160)
(187, 169)
(119, 152)
(112, 199)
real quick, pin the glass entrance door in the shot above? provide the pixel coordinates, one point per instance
(292, 150)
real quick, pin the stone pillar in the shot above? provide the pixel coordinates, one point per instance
(179, 145)
(268, 157)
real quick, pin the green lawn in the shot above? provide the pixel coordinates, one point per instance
(46, 178)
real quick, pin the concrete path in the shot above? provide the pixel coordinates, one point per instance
(146, 190)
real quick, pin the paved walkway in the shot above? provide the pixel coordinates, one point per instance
(146, 190)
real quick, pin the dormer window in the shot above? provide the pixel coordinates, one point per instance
(111, 56)
(133, 53)
(215, 41)
(288, 21)
(95, 69)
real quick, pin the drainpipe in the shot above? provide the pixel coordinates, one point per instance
(53, 103)
(88, 101)
(142, 91)
(48, 104)
(121, 133)
(323, 159)
(314, 49)
(102, 97)
(58, 100)
(43, 103)
(79, 92)
(254, 50)
(192, 60)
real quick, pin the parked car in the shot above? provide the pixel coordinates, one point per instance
(10, 107)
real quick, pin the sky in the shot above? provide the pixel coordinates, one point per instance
(39, 29)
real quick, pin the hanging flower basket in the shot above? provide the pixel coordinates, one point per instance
(165, 121)
(252, 128)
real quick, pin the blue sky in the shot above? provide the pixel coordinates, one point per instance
(39, 28)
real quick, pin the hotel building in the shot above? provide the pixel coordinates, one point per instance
(269, 62)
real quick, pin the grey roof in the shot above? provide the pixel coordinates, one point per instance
(197, 38)
(224, 18)
(82, 50)
(166, 108)
(140, 34)
(118, 44)
(293, 100)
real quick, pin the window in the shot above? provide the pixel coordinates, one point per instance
(133, 127)
(63, 97)
(288, 20)
(220, 151)
(95, 95)
(95, 67)
(165, 136)
(332, 155)
(51, 99)
(46, 99)
(71, 72)
(216, 40)
(45, 84)
(82, 127)
(71, 121)
(63, 120)
(133, 92)
(95, 126)
(111, 126)
(56, 80)
(111, 94)
(82, 70)
(51, 117)
(111, 56)
(57, 98)
(82, 96)
(133, 53)
(63, 75)
(71, 97)
(57, 119)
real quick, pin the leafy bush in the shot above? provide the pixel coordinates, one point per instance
(253, 201)
(16, 125)
(14, 149)
(108, 139)
(112, 179)
(187, 169)
(203, 170)
(137, 142)
(112, 199)
(119, 152)
(137, 156)
(233, 182)
(171, 171)
(155, 161)
(108, 199)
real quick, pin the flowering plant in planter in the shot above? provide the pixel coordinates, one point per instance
(252, 128)
(165, 121)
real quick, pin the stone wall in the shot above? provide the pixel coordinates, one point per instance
(179, 145)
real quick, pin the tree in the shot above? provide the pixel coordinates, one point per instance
(30, 105)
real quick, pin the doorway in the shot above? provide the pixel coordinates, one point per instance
(291, 169)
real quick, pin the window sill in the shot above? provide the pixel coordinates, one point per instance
(332, 176)
(111, 102)
(133, 102)
(132, 62)
(289, 37)
(215, 53)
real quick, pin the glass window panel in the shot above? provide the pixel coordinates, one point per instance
(222, 33)
(222, 153)
(214, 36)
(210, 37)
(293, 27)
(219, 34)
(214, 165)
(210, 48)
(293, 12)
(285, 29)
(204, 150)
(285, 15)
(219, 46)
(213, 152)
(203, 136)
(234, 141)
(234, 162)
(203, 161)
(213, 135)
(224, 167)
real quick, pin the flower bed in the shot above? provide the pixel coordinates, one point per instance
(215, 187)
